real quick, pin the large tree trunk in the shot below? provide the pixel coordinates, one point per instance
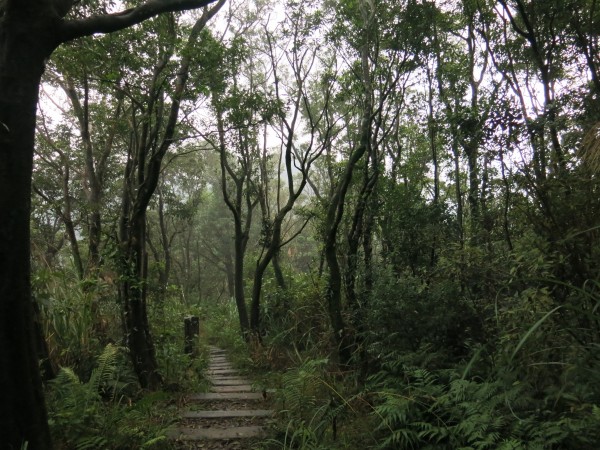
(22, 406)
(29, 31)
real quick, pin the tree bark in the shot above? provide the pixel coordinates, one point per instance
(29, 32)
(279, 277)
(24, 45)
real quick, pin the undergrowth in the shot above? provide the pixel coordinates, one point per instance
(106, 411)
(95, 401)
(419, 409)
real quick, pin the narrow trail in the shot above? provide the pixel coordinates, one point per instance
(230, 416)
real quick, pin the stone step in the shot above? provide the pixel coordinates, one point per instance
(227, 385)
(236, 388)
(222, 372)
(217, 352)
(217, 414)
(220, 366)
(219, 369)
(226, 396)
(226, 377)
(219, 363)
(229, 381)
(198, 434)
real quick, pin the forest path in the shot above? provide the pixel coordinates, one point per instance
(230, 416)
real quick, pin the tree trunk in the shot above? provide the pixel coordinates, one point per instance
(473, 191)
(133, 297)
(335, 210)
(166, 244)
(334, 302)
(141, 179)
(92, 185)
(240, 298)
(22, 409)
(278, 272)
(230, 273)
(29, 32)
(259, 272)
(242, 224)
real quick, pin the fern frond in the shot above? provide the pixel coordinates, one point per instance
(107, 366)
(91, 443)
(66, 376)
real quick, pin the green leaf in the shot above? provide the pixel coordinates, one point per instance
(532, 330)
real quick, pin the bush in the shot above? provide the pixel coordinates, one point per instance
(407, 315)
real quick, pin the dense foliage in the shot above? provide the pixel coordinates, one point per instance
(389, 209)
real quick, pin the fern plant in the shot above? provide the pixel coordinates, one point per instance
(75, 407)
(308, 406)
(95, 415)
(418, 409)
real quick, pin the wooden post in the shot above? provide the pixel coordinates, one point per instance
(191, 330)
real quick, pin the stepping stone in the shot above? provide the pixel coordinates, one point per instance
(198, 434)
(236, 388)
(229, 382)
(217, 414)
(226, 396)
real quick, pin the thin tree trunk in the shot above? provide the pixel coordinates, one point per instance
(240, 298)
(241, 230)
(432, 129)
(278, 272)
(166, 245)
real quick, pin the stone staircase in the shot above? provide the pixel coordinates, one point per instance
(231, 416)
